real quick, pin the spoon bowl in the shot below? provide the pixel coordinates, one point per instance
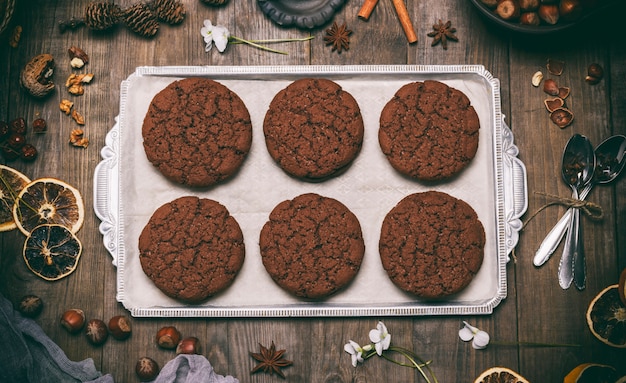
(578, 163)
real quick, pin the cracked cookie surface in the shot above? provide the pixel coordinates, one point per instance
(312, 246)
(197, 132)
(313, 129)
(191, 248)
(429, 131)
(432, 244)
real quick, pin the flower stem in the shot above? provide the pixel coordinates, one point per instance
(415, 362)
(255, 43)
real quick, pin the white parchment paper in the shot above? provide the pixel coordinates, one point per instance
(369, 188)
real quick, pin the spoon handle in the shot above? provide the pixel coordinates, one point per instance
(566, 266)
(578, 261)
(554, 237)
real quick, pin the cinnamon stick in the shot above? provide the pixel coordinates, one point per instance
(405, 20)
(366, 9)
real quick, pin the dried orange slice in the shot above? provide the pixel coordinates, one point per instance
(11, 183)
(52, 251)
(591, 373)
(606, 317)
(622, 286)
(500, 375)
(48, 201)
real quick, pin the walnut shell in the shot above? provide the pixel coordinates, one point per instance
(36, 75)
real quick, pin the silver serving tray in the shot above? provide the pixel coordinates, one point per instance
(127, 189)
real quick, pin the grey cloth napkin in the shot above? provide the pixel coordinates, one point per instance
(191, 369)
(29, 355)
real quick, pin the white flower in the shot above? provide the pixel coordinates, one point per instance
(355, 351)
(381, 338)
(214, 34)
(479, 338)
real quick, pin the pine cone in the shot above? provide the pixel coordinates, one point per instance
(102, 15)
(170, 11)
(140, 19)
(215, 2)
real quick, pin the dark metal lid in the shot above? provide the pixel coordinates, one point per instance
(304, 14)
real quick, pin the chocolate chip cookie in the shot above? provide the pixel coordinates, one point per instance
(197, 132)
(191, 248)
(313, 129)
(432, 244)
(312, 246)
(429, 131)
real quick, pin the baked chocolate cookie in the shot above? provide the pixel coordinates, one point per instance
(313, 129)
(431, 244)
(312, 246)
(429, 131)
(191, 248)
(197, 132)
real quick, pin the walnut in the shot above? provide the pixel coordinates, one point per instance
(80, 120)
(66, 106)
(78, 139)
(77, 53)
(35, 76)
(74, 83)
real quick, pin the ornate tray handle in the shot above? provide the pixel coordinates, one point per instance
(106, 186)
(515, 190)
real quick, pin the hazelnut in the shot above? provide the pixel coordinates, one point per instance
(190, 345)
(73, 320)
(594, 73)
(549, 13)
(146, 369)
(168, 337)
(96, 332)
(40, 125)
(119, 327)
(570, 10)
(550, 87)
(562, 117)
(508, 9)
(529, 18)
(30, 306)
(18, 126)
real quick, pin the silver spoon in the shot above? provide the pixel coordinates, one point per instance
(610, 161)
(577, 169)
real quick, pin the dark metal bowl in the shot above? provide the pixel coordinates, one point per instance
(543, 29)
(301, 14)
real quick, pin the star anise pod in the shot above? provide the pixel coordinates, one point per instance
(338, 36)
(270, 360)
(442, 33)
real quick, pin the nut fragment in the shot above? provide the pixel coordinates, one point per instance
(80, 120)
(74, 83)
(66, 106)
(76, 52)
(77, 63)
(555, 67)
(553, 104)
(36, 75)
(78, 139)
(190, 345)
(562, 117)
(16, 35)
(594, 73)
(550, 87)
(537, 78)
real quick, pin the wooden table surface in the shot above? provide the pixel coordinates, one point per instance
(536, 309)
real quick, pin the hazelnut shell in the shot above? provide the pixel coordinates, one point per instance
(553, 104)
(562, 117)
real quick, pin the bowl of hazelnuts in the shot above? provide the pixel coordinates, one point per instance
(541, 16)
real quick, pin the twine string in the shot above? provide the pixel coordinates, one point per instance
(590, 209)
